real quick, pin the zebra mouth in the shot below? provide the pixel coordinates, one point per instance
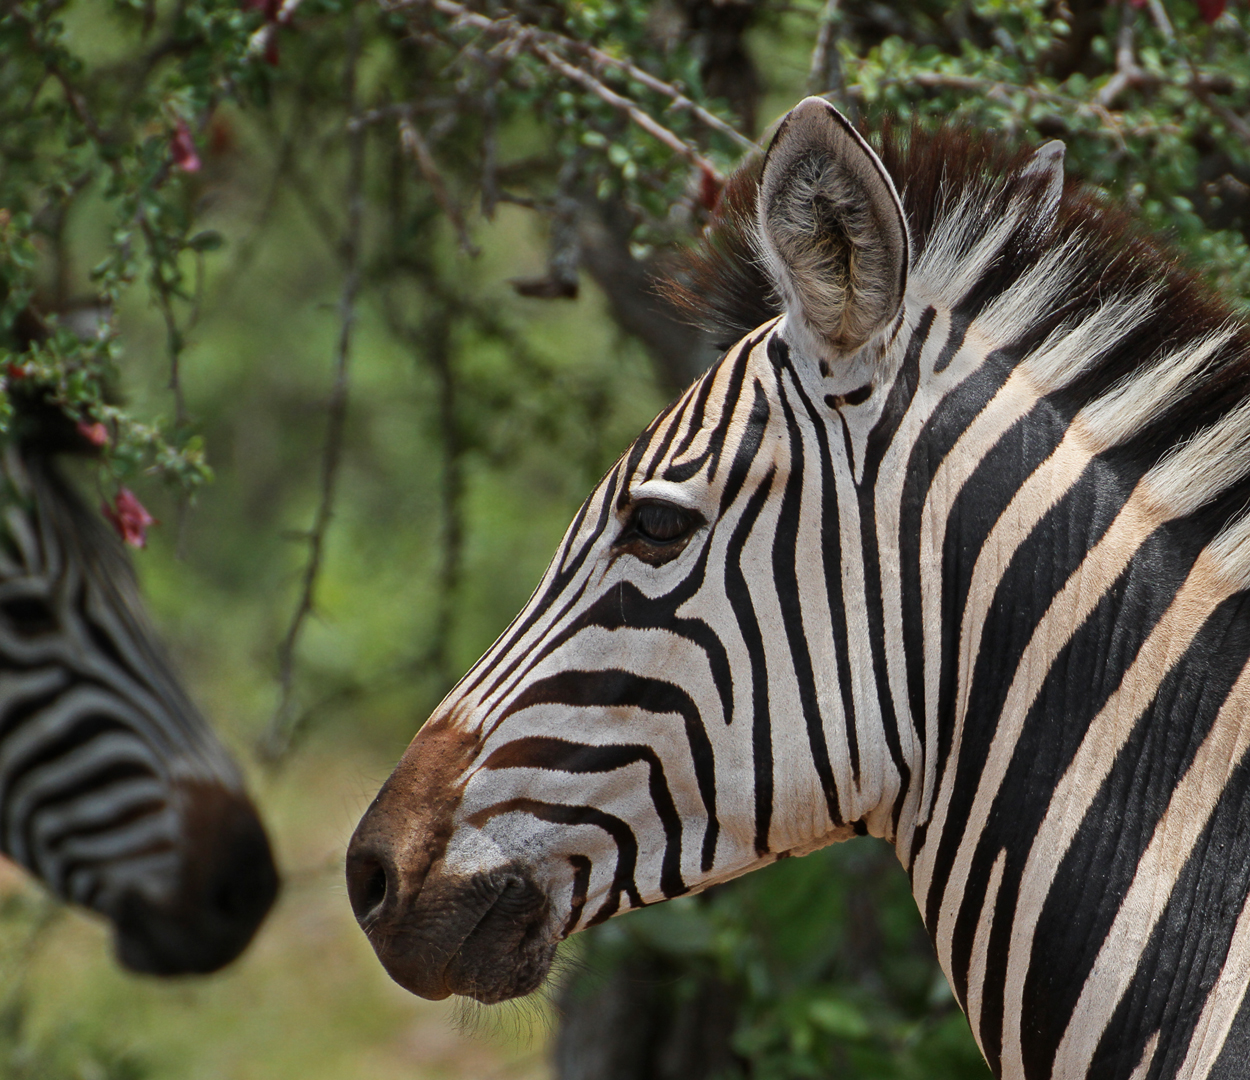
(227, 883)
(486, 937)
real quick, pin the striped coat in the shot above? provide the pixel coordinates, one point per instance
(950, 548)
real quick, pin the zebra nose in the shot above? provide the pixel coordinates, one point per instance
(371, 881)
(227, 884)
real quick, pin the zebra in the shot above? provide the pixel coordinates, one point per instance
(950, 548)
(113, 789)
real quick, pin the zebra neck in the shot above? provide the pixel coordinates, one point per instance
(1074, 660)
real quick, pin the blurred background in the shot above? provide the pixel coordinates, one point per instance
(368, 307)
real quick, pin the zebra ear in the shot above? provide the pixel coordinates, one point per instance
(831, 228)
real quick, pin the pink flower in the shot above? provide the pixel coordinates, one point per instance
(182, 146)
(1210, 10)
(129, 517)
(95, 433)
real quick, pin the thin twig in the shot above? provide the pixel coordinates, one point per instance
(280, 732)
(402, 108)
(1203, 88)
(656, 130)
(259, 42)
(79, 105)
(490, 142)
(824, 75)
(1127, 71)
(420, 152)
(542, 44)
(1162, 23)
(525, 36)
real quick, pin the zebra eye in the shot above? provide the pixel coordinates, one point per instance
(662, 523)
(658, 531)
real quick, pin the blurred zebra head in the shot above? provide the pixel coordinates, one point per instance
(113, 789)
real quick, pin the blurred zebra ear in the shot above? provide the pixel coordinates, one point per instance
(831, 229)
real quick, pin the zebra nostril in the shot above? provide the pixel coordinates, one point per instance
(366, 885)
(375, 889)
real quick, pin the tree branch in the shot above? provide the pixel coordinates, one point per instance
(419, 150)
(281, 731)
(543, 43)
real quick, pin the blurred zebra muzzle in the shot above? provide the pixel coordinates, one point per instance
(227, 883)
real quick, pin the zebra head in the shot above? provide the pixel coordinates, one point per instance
(113, 790)
(952, 548)
(636, 733)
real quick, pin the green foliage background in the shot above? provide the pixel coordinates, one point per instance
(389, 170)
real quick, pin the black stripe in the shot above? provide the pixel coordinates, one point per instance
(613, 687)
(879, 441)
(785, 574)
(679, 473)
(581, 882)
(699, 410)
(626, 605)
(1081, 679)
(1187, 947)
(831, 565)
(539, 752)
(558, 814)
(1039, 568)
(959, 323)
(738, 592)
(538, 608)
(1099, 867)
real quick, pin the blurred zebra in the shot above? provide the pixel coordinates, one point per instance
(113, 790)
(952, 548)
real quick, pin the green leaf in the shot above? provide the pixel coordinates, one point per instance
(839, 1018)
(208, 240)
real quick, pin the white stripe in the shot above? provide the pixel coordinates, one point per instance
(1079, 785)
(1188, 811)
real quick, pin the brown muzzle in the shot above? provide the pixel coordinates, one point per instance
(484, 934)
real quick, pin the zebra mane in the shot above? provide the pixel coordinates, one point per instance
(1103, 314)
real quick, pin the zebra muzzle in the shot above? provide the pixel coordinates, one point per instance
(227, 883)
(485, 936)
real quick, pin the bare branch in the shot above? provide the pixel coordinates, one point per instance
(1160, 18)
(277, 738)
(1127, 71)
(1203, 86)
(542, 43)
(258, 44)
(824, 75)
(656, 130)
(417, 147)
